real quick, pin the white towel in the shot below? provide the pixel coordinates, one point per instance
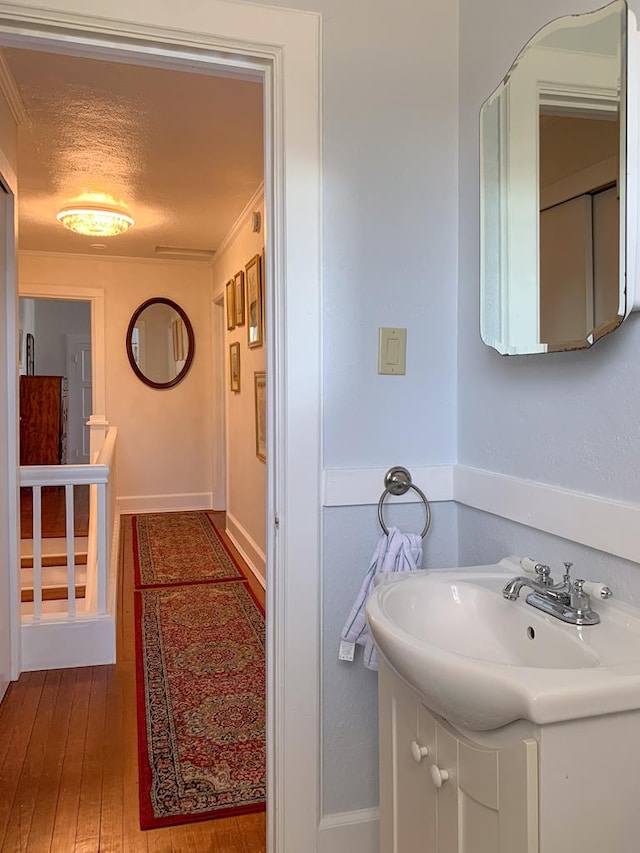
(395, 552)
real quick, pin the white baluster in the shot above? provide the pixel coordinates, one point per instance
(102, 567)
(71, 557)
(37, 553)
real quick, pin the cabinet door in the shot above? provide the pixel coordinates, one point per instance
(447, 795)
(498, 799)
(407, 796)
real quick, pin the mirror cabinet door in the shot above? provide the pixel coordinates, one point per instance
(553, 164)
(160, 343)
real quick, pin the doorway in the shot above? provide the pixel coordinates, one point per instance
(60, 334)
(181, 37)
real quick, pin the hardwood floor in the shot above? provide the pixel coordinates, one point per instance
(68, 759)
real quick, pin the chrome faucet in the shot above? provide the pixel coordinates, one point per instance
(568, 600)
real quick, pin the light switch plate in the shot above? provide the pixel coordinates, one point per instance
(392, 351)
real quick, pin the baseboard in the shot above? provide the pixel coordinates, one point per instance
(349, 832)
(56, 644)
(132, 504)
(251, 553)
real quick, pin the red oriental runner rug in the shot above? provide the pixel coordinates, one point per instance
(201, 702)
(178, 548)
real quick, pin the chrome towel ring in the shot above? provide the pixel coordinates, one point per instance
(398, 481)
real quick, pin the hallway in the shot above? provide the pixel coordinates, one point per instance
(68, 765)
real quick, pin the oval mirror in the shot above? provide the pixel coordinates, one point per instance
(160, 343)
(555, 263)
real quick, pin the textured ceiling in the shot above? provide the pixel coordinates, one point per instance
(182, 153)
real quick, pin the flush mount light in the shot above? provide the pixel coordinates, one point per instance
(95, 221)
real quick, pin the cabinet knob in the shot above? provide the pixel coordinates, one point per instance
(438, 776)
(418, 752)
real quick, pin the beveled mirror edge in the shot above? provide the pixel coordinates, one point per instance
(161, 300)
(630, 179)
(632, 163)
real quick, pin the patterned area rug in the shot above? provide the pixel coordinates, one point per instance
(179, 548)
(201, 703)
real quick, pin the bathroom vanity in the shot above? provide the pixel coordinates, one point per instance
(522, 789)
(501, 729)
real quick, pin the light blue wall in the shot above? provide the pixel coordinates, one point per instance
(350, 706)
(485, 539)
(401, 247)
(390, 246)
(389, 77)
(566, 419)
(570, 419)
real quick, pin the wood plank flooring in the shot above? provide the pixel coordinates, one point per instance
(68, 759)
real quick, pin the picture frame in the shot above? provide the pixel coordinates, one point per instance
(234, 367)
(253, 277)
(30, 356)
(231, 308)
(238, 296)
(260, 394)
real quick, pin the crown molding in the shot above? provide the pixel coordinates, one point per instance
(11, 92)
(256, 199)
(128, 259)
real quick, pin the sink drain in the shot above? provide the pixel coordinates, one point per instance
(531, 634)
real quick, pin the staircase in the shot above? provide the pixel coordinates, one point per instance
(68, 584)
(54, 573)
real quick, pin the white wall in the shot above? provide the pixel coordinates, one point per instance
(164, 436)
(55, 318)
(246, 474)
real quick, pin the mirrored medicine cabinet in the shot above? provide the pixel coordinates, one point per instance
(558, 149)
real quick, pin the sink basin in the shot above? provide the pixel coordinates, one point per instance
(482, 662)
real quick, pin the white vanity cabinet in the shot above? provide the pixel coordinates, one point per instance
(441, 793)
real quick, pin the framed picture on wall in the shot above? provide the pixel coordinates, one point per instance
(31, 354)
(260, 389)
(238, 295)
(234, 366)
(231, 308)
(253, 274)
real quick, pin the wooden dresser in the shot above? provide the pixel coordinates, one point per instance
(43, 420)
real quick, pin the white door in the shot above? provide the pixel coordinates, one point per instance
(80, 397)
(5, 566)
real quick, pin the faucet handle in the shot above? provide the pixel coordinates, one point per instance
(597, 590)
(566, 577)
(543, 573)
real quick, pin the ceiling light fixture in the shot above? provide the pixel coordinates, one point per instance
(95, 221)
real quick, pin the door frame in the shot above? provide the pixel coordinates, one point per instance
(282, 48)
(9, 429)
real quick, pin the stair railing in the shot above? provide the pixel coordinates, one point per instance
(99, 477)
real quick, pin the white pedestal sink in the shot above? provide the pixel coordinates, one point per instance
(481, 661)
(502, 729)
